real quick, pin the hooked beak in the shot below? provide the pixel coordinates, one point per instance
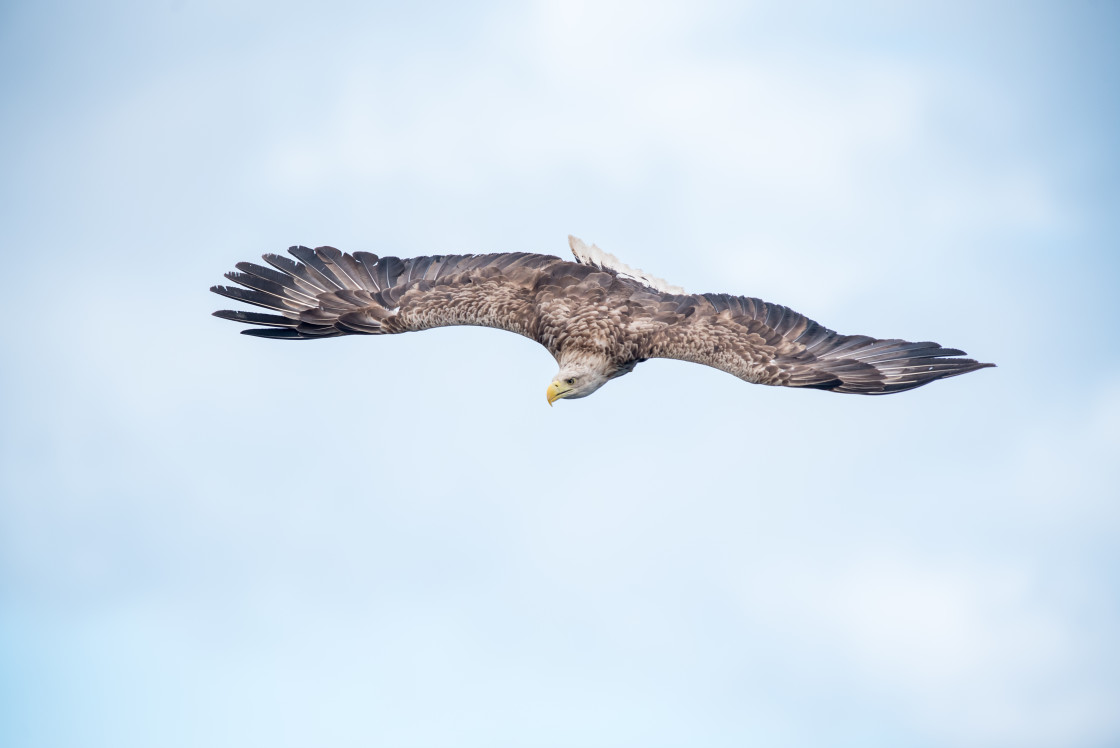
(555, 392)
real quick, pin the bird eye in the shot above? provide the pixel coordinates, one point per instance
(570, 380)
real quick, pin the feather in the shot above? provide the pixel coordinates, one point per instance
(293, 289)
(255, 318)
(367, 261)
(388, 270)
(271, 332)
(357, 276)
(317, 268)
(250, 296)
(281, 293)
(297, 271)
(597, 258)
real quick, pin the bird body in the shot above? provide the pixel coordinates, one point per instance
(598, 318)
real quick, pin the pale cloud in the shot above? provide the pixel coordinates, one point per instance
(1062, 469)
(966, 647)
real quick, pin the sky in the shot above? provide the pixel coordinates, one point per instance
(213, 540)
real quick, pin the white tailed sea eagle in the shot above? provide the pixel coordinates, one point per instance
(596, 316)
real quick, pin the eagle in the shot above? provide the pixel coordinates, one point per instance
(598, 318)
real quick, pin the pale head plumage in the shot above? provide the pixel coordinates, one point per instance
(581, 373)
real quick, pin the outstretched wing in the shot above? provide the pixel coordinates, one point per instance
(772, 344)
(329, 293)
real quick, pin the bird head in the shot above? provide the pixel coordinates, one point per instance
(575, 381)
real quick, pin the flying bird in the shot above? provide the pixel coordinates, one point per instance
(598, 318)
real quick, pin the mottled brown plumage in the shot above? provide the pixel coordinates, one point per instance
(596, 316)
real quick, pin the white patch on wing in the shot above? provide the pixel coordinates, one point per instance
(597, 258)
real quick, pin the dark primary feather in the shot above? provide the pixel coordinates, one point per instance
(330, 293)
(565, 306)
(772, 344)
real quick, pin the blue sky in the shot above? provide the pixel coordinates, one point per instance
(207, 539)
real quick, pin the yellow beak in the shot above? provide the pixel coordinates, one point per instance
(554, 392)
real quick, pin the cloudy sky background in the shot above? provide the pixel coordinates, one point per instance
(207, 539)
